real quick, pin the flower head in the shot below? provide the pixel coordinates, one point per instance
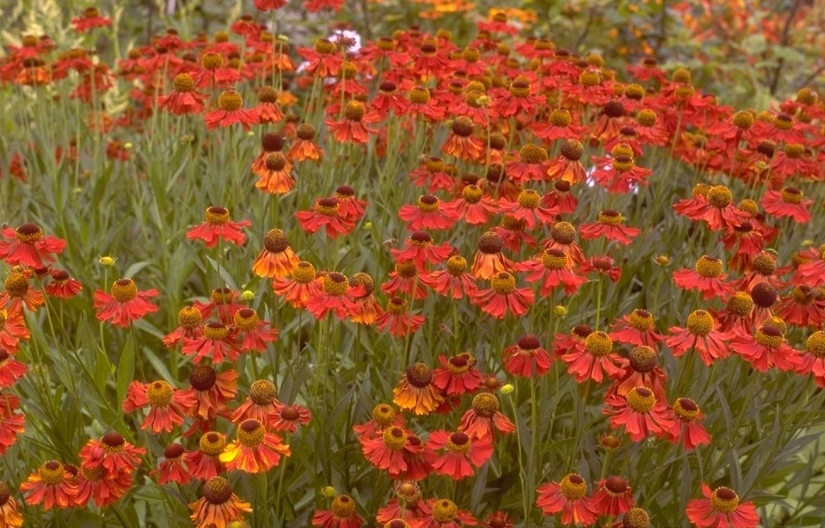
(721, 508)
(217, 226)
(218, 505)
(124, 304)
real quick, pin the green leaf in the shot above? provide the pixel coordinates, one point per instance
(103, 369)
(125, 368)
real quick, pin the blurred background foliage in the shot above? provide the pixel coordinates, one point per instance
(750, 52)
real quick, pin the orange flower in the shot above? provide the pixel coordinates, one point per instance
(366, 310)
(95, 484)
(10, 369)
(62, 285)
(183, 99)
(288, 417)
(217, 226)
(421, 250)
(18, 292)
(304, 147)
(503, 296)
(641, 414)
(28, 246)
(113, 452)
(124, 304)
(50, 485)
(489, 260)
(461, 453)
(342, 515)
(261, 404)
(386, 451)
(230, 111)
(219, 506)
(168, 405)
(205, 463)
(12, 330)
(397, 318)
(483, 416)
(429, 213)
(255, 334)
(217, 342)
(189, 326)
(173, 468)
(416, 391)
(351, 128)
(568, 497)
(255, 450)
(300, 287)
(325, 212)
(8, 509)
(383, 416)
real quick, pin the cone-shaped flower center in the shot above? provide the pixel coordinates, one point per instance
(303, 273)
(159, 394)
(263, 393)
(485, 404)
(598, 344)
(419, 375)
(573, 487)
(395, 438)
(189, 317)
(212, 444)
(724, 500)
(641, 399)
(251, 433)
(28, 233)
(700, 323)
(444, 511)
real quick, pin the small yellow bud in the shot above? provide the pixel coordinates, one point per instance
(560, 310)
(483, 100)
(329, 492)
(662, 260)
(808, 242)
(127, 145)
(507, 388)
(283, 38)
(248, 295)
(107, 261)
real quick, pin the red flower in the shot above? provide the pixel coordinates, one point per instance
(325, 212)
(567, 167)
(351, 208)
(212, 391)
(218, 506)
(430, 213)
(12, 424)
(613, 496)
(707, 278)
(503, 296)
(300, 287)
(457, 375)
(342, 515)
(460, 453)
(50, 485)
(269, 5)
(560, 198)
(113, 452)
(527, 358)
(261, 405)
(703, 334)
(12, 330)
(217, 342)
(253, 333)
(230, 111)
(416, 391)
(805, 307)
(813, 361)
(222, 299)
(721, 509)
(687, 424)
(383, 416)
(336, 296)
(218, 226)
(596, 360)
(124, 304)
(189, 326)
(452, 282)
(397, 319)
(553, 268)
(173, 467)
(528, 209)
(442, 513)
(183, 99)
(17, 292)
(168, 405)
(351, 128)
(637, 329)
(91, 19)
(766, 349)
(483, 416)
(205, 464)
(421, 249)
(474, 206)
(405, 279)
(604, 266)
(386, 451)
(787, 203)
(609, 226)
(288, 417)
(95, 484)
(11, 370)
(28, 246)
(642, 370)
(62, 285)
(568, 497)
(255, 450)
(304, 148)
(640, 412)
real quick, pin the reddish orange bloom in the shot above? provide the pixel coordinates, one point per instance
(304, 148)
(416, 391)
(95, 484)
(489, 260)
(568, 497)
(269, 5)
(217, 342)
(397, 319)
(386, 451)
(351, 128)
(168, 405)
(612, 497)
(275, 174)
(503, 296)
(596, 360)
(460, 453)
(173, 467)
(642, 370)
(497, 519)
(703, 334)
(62, 285)
(253, 333)
(268, 109)
(443, 513)
(405, 279)
(767, 348)
(288, 417)
(383, 416)
(113, 452)
(261, 405)
(205, 463)
(813, 360)
(721, 508)
(406, 507)
(11, 370)
(217, 227)
(17, 292)
(474, 206)
(189, 326)
(12, 424)
(421, 249)
(218, 506)
(335, 296)
(341, 515)
(8, 508)
(183, 99)
(461, 143)
(552, 267)
(638, 329)
(707, 277)
(640, 412)
(454, 281)
(124, 304)
(367, 310)
(351, 208)
(457, 375)
(609, 226)
(325, 212)
(255, 450)
(483, 416)
(224, 300)
(430, 213)
(212, 391)
(300, 287)
(686, 424)
(12, 330)
(528, 209)
(567, 167)
(527, 358)
(560, 198)
(787, 203)
(230, 111)
(50, 485)
(91, 19)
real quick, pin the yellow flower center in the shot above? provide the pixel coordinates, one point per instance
(553, 259)
(184, 82)
(395, 438)
(720, 196)
(124, 290)
(610, 217)
(52, 473)
(428, 203)
(485, 404)
(783, 122)
(646, 117)
(327, 206)
(17, 284)
(529, 199)
(520, 88)
(405, 269)
(444, 511)
(383, 415)
(700, 323)
(598, 344)
(590, 78)
(816, 344)
(159, 394)
(641, 320)
(573, 487)
(794, 150)
(211, 60)
(791, 195)
(459, 443)
(343, 507)
(397, 305)
(217, 216)
(740, 303)
(641, 399)
(215, 331)
(212, 444)
(724, 500)
(456, 265)
(743, 119)
(251, 433)
(230, 101)
(28, 233)
(263, 392)
(560, 118)
(563, 233)
(189, 317)
(643, 359)
(686, 409)
(354, 111)
(503, 283)
(303, 273)
(636, 518)
(709, 267)
(336, 284)
(769, 336)
(623, 163)
(246, 319)
(532, 154)
(419, 95)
